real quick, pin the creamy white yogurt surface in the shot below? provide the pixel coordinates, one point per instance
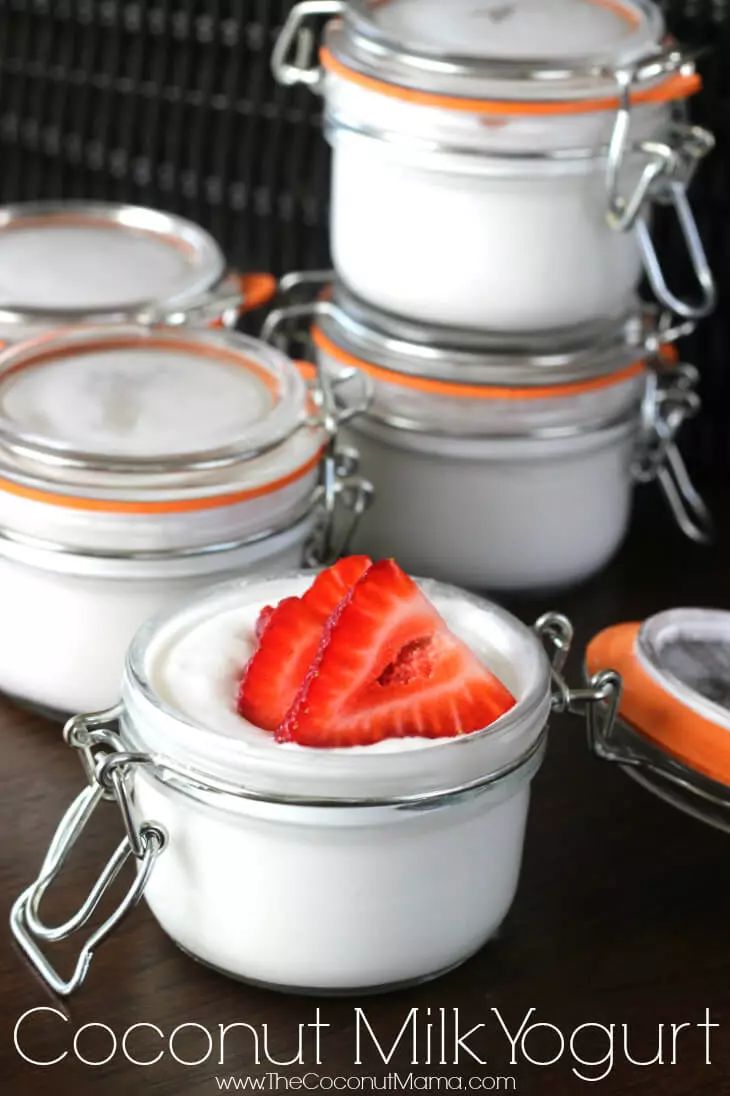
(197, 670)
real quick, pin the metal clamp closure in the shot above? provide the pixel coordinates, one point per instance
(292, 59)
(345, 495)
(598, 700)
(107, 767)
(670, 400)
(665, 178)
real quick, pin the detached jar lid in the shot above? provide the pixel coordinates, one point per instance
(74, 262)
(451, 362)
(676, 698)
(539, 56)
(151, 419)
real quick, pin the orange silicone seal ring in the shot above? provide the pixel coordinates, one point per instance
(657, 714)
(473, 391)
(677, 86)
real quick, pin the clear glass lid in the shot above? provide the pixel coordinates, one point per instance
(92, 402)
(548, 45)
(688, 652)
(74, 260)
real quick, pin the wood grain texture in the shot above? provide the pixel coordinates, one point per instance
(622, 914)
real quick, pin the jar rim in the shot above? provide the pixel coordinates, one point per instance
(205, 262)
(421, 354)
(217, 761)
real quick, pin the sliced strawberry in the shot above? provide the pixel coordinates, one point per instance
(289, 643)
(262, 621)
(388, 667)
(288, 637)
(330, 586)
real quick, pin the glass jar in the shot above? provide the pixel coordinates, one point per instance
(672, 735)
(137, 464)
(101, 262)
(474, 452)
(494, 164)
(354, 844)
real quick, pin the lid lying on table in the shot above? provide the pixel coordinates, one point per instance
(676, 697)
(70, 261)
(150, 419)
(554, 54)
(447, 361)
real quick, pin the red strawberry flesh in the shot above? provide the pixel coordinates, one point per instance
(388, 667)
(288, 645)
(262, 621)
(330, 586)
(288, 640)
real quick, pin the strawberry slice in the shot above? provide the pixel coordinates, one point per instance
(330, 586)
(288, 640)
(388, 667)
(262, 621)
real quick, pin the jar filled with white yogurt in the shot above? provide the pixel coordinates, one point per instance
(237, 837)
(507, 469)
(495, 164)
(77, 262)
(137, 465)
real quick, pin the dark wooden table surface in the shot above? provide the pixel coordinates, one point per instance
(622, 918)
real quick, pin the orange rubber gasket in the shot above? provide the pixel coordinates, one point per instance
(257, 289)
(474, 391)
(678, 86)
(173, 506)
(654, 713)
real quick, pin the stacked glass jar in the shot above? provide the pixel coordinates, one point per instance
(146, 449)
(495, 165)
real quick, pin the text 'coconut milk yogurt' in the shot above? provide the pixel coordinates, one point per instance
(239, 837)
(102, 262)
(136, 464)
(494, 166)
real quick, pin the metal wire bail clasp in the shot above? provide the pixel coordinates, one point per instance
(597, 701)
(294, 50)
(667, 173)
(108, 767)
(670, 400)
(345, 494)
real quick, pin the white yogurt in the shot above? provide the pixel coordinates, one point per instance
(137, 465)
(252, 848)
